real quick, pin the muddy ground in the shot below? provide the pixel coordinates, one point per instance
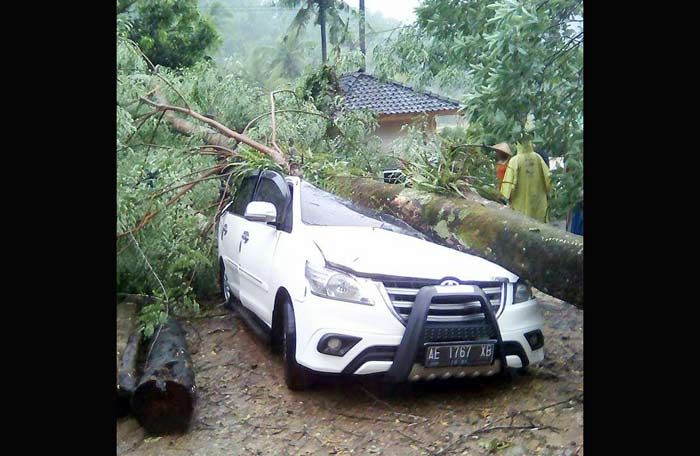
(244, 407)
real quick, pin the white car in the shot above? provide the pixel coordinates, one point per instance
(343, 290)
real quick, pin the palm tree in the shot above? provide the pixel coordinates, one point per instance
(326, 11)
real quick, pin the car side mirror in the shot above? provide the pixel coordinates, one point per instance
(261, 211)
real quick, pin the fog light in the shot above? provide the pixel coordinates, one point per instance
(535, 339)
(336, 344)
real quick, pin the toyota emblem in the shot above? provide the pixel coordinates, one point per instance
(449, 283)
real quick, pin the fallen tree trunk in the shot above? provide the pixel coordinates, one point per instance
(164, 400)
(549, 258)
(128, 374)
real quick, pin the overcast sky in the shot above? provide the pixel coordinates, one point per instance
(401, 10)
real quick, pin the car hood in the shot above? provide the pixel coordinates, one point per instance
(378, 251)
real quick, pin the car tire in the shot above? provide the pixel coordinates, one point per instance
(225, 290)
(295, 376)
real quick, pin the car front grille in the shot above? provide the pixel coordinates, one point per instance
(444, 309)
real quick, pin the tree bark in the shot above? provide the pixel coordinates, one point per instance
(128, 374)
(165, 397)
(549, 258)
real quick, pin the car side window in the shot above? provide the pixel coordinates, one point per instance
(269, 191)
(244, 195)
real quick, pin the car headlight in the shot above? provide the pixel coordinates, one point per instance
(332, 284)
(523, 293)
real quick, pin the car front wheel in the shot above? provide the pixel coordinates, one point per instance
(295, 376)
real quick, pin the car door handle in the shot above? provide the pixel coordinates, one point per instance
(245, 237)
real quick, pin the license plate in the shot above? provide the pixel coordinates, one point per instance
(466, 354)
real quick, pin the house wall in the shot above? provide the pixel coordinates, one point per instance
(390, 125)
(390, 128)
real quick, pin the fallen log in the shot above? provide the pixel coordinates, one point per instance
(164, 400)
(549, 258)
(128, 374)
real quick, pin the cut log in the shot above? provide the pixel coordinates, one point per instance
(128, 374)
(164, 400)
(549, 258)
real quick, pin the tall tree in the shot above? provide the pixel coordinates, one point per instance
(172, 33)
(325, 12)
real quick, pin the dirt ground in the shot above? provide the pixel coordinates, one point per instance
(244, 407)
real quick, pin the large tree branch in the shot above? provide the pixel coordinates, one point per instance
(275, 155)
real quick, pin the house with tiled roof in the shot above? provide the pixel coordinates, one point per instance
(395, 104)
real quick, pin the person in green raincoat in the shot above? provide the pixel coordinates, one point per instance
(527, 183)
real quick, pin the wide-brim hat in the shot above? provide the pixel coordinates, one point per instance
(503, 147)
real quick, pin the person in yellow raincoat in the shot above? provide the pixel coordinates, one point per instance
(527, 183)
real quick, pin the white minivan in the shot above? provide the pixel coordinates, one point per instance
(343, 290)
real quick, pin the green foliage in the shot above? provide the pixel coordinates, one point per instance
(450, 162)
(152, 159)
(172, 33)
(514, 60)
(416, 58)
(221, 91)
(322, 87)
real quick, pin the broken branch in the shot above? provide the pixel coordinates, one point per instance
(275, 155)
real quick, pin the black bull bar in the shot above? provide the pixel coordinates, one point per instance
(412, 337)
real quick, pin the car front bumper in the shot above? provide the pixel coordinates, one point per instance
(382, 336)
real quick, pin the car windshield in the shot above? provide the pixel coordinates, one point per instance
(319, 207)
